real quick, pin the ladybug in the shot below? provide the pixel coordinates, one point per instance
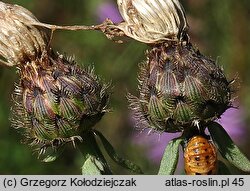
(200, 156)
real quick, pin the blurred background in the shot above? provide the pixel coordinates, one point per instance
(219, 28)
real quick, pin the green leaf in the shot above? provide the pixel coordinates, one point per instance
(170, 157)
(222, 169)
(92, 166)
(115, 157)
(227, 147)
(93, 159)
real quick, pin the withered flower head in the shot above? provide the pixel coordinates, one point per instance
(55, 100)
(19, 40)
(179, 87)
(152, 21)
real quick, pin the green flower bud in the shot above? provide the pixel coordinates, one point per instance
(179, 88)
(56, 100)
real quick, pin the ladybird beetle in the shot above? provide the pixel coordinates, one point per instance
(200, 156)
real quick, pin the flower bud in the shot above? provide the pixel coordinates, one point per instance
(55, 100)
(179, 88)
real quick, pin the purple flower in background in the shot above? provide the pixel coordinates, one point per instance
(233, 121)
(156, 144)
(108, 10)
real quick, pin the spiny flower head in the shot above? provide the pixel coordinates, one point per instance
(179, 88)
(55, 100)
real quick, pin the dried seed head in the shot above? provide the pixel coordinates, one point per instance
(152, 21)
(55, 100)
(19, 40)
(179, 88)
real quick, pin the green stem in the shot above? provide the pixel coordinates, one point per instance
(125, 163)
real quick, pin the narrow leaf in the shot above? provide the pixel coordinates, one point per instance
(170, 157)
(116, 158)
(92, 166)
(227, 147)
